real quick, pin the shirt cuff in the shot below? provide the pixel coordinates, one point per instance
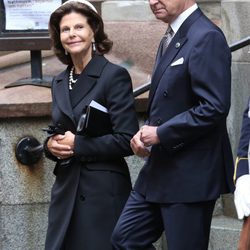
(241, 167)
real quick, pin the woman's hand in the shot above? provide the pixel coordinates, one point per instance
(62, 146)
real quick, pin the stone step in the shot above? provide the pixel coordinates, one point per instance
(225, 233)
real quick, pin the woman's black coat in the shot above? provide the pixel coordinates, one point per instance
(89, 193)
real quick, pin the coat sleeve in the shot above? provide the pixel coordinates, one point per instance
(47, 153)
(120, 103)
(242, 163)
(209, 68)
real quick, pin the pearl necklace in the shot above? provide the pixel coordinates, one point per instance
(72, 81)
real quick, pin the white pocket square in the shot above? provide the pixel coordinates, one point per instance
(178, 62)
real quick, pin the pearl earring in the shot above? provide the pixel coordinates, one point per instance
(66, 52)
(93, 47)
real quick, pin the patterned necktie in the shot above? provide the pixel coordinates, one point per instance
(167, 39)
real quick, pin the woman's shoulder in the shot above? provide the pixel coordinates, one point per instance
(114, 66)
(61, 75)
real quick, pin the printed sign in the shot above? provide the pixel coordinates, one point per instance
(29, 14)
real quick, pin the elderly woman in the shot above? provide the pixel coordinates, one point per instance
(92, 178)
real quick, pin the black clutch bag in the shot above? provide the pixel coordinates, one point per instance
(95, 122)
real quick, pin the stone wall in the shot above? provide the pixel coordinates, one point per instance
(25, 191)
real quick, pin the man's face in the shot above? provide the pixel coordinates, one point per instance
(168, 10)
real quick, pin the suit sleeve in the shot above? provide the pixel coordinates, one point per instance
(120, 103)
(242, 163)
(209, 68)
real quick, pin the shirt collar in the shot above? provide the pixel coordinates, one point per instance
(176, 24)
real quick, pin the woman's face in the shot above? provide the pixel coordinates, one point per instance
(76, 35)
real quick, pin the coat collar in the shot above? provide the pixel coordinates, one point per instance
(85, 83)
(174, 47)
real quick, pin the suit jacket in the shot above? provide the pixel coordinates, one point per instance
(110, 85)
(189, 102)
(242, 161)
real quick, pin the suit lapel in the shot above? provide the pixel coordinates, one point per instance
(88, 78)
(174, 47)
(85, 83)
(61, 93)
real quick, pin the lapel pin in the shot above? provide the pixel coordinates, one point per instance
(177, 45)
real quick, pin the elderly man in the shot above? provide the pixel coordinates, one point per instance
(189, 160)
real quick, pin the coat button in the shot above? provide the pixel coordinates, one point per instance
(165, 93)
(177, 45)
(82, 197)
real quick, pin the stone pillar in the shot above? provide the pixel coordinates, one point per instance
(24, 190)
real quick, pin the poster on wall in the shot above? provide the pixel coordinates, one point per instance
(28, 15)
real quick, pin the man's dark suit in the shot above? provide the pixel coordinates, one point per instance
(188, 102)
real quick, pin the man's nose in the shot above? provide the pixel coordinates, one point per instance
(152, 2)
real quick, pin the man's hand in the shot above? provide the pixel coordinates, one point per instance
(143, 140)
(242, 196)
(138, 147)
(149, 136)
